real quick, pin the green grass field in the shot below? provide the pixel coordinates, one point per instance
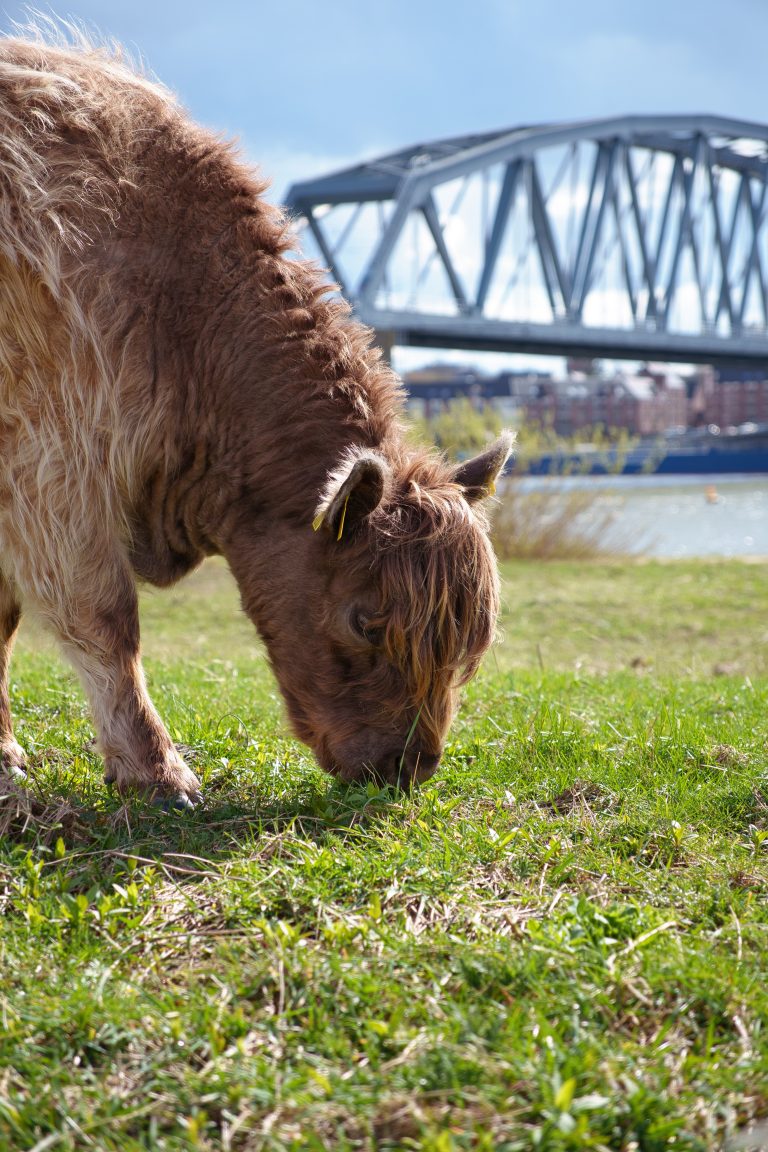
(560, 942)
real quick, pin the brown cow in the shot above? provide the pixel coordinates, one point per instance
(173, 384)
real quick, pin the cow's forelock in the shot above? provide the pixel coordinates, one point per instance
(439, 592)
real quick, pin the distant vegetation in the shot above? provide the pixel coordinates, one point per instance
(460, 428)
(553, 523)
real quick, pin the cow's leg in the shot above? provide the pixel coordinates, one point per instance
(98, 624)
(12, 757)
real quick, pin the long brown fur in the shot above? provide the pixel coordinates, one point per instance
(174, 384)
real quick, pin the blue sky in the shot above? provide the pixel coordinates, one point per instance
(309, 85)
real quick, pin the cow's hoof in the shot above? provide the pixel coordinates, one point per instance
(14, 772)
(13, 759)
(176, 801)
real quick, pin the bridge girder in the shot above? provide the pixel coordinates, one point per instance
(637, 237)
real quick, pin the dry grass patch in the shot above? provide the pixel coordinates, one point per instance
(23, 814)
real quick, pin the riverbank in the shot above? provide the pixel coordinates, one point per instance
(670, 516)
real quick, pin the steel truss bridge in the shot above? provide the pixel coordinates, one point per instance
(641, 237)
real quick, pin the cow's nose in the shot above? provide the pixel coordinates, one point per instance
(404, 769)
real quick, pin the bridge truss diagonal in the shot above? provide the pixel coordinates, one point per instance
(640, 237)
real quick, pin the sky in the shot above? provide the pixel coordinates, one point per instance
(307, 86)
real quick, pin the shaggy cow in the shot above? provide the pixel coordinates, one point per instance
(174, 385)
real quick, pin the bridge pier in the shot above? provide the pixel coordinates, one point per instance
(385, 338)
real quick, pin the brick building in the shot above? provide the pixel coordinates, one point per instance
(644, 404)
(647, 403)
(731, 397)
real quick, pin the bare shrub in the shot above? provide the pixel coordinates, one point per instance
(552, 517)
(552, 521)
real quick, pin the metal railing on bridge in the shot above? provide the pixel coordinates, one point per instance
(640, 237)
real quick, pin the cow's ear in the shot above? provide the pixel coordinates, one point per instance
(352, 493)
(478, 476)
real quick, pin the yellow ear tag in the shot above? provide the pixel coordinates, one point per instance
(343, 517)
(317, 523)
(491, 489)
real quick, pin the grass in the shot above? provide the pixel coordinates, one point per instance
(558, 943)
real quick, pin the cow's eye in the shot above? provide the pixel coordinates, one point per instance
(363, 627)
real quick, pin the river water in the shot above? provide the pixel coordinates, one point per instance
(676, 516)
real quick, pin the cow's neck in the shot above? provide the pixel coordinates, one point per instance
(270, 382)
(292, 382)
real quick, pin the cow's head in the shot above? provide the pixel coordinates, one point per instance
(374, 619)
